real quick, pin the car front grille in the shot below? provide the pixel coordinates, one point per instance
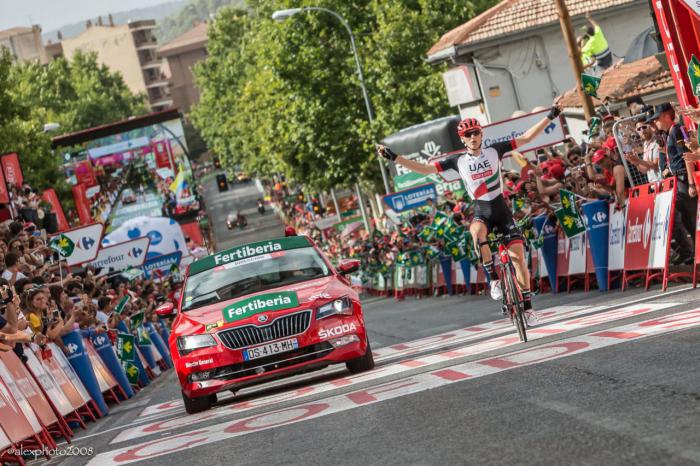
(281, 327)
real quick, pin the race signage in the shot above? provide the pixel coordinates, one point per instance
(12, 169)
(638, 228)
(248, 250)
(82, 204)
(694, 72)
(260, 303)
(512, 128)
(121, 256)
(616, 239)
(411, 198)
(125, 347)
(661, 229)
(162, 264)
(49, 195)
(81, 244)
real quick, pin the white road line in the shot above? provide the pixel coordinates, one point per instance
(385, 371)
(410, 385)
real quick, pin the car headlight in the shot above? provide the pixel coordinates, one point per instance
(190, 343)
(339, 306)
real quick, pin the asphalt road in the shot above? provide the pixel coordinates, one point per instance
(607, 378)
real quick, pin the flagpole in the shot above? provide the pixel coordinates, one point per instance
(60, 270)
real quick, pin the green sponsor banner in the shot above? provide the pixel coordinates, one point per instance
(136, 319)
(426, 234)
(131, 371)
(416, 257)
(248, 250)
(120, 305)
(590, 84)
(125, 347)
(132, 274)
(144, 339)
(519, 204)
(260, 303)
(62, 245)
(454, 232)
(432, 252)
(570, 223)
(694, 74)
(568, 201)
(457, 250)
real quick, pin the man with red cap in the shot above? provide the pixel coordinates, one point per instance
(480, 169)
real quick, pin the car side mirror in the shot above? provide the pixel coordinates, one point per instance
(165, 310)
(348, 266)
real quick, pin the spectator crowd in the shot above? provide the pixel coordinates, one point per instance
(655, 145)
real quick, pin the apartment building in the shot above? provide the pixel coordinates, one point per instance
(24, 43)
(131, 50)
(182, 53)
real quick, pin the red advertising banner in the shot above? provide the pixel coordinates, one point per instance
(4, 195)
(49, 195)
(161, 149)
(12, 169)
(82, 205)
(84, 173)
(639, 222)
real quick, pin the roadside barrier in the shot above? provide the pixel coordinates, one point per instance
(619, 246)
(47, 396)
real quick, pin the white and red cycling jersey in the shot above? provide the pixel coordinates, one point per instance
(481, 173)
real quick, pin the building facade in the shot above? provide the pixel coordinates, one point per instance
(513, 57)
(131, 50)
(182, 53)
(24, 43)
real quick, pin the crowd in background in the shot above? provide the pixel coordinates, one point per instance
(655, 146)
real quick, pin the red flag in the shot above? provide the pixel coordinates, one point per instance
(49, 195)
(12, 169)
(85, 173)
(4, 195)
(82, 205)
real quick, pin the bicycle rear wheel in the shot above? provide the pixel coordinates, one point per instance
(517, 308)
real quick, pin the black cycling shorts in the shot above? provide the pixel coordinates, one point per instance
(496, 215)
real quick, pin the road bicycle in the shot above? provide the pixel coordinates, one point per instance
(513, 303)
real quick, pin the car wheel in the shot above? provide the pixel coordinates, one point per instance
(196, 405)
(363, 363)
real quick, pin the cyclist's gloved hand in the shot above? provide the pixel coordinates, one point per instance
(554, 112)
(385, 152)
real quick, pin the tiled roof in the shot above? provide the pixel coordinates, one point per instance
(641, 77)
(511, 16)
(14, 31)
(195, 36)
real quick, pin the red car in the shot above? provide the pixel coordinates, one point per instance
(263, 311)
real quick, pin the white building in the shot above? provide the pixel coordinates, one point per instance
(513, 56)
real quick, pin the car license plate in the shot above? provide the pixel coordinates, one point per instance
(270, 349)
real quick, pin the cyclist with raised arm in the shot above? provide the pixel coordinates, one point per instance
(480, 170)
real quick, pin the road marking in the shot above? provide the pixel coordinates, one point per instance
(382, 372)
(390, 390)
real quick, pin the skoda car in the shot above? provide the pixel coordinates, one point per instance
(262, 311)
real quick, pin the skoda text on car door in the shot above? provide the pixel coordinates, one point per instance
(261, 311)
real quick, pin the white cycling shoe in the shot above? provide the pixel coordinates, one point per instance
(496, 293)
(531, 317)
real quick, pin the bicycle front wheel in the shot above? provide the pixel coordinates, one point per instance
(517, 308)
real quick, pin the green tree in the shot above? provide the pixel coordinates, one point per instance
(285, 96)
(77, 94)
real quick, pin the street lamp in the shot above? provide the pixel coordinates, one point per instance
(281, 15)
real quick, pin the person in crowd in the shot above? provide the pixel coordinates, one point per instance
(672, 162)
(649, 163)
(11, 272)
(594, 49)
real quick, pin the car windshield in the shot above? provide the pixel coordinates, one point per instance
(251, 275)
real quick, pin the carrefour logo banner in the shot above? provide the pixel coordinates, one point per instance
(411, 198)
(121, 256)
(82, 244)
(260, 303)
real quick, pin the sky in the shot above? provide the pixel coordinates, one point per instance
(52, 14)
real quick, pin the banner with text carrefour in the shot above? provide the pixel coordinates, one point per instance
(596, 214)
(121, 256)
(411, 198)
(84, 243)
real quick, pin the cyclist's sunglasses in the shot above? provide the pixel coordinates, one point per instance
(642, 128)
(469, 134)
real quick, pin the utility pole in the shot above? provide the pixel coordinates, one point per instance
(574, 56)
